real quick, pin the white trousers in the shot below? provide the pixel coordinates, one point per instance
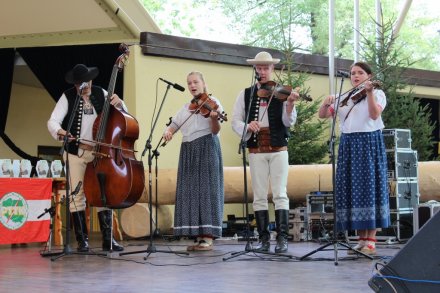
(77, 168)
(273, 167)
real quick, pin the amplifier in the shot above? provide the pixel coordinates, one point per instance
(423, 213)
(322, 203)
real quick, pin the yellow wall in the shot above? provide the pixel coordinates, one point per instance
(224, 82)
(30, 107)
(29, 111)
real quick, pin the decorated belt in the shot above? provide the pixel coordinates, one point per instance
(267, 149)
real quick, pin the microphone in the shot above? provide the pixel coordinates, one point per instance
(174, 85)
(257, 75)
(342, 73)
(77, 188)
(83, 86)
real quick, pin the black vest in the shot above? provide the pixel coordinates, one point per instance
(96, 98)
(279, 134)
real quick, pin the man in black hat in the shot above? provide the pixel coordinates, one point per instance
(80, 153)
(266, 135)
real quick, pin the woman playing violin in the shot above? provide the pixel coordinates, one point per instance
(361, 176)
(199, 192)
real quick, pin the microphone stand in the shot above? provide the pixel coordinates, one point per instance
(151, 247)
(334, 240)
(52, 211)
(242, 150)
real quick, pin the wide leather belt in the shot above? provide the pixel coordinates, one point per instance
(86, 147)
(267, 149)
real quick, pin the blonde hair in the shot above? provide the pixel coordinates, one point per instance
(199, 74)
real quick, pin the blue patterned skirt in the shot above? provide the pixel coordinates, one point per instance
(362, 201)
(200, 190)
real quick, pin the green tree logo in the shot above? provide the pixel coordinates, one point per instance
(13, 210)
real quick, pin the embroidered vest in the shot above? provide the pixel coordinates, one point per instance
(279, 134)
(96, 98)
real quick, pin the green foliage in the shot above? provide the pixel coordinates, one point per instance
(173, 16)
(260, 22)
(306, 144)
(403, 110)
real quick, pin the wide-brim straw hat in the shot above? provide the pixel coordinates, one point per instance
(81, 73)
(263, 58)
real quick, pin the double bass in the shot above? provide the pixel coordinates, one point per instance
(114, 179)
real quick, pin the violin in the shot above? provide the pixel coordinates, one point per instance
(203, 104)
(359, 93)
(281, 92)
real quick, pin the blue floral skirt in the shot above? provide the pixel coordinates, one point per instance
(362, 201)
(200, 190)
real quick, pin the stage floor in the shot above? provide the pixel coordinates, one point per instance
(23, 269)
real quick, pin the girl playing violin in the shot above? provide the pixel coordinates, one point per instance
(361, 176)
(199, 192)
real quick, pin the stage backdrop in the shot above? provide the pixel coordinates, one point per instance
(22, 200)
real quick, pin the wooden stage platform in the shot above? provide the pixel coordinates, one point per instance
(23, 269)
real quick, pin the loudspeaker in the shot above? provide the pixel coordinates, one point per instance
(419, 260)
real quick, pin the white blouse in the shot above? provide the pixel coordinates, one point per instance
(196, 126)
(358, 119)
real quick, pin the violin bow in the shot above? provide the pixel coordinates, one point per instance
(79, 139)
(372, 76)
(180, 126)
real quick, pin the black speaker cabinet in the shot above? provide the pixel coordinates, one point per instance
(401, 226)
(419, 260)
(404, 195)
(402, 165)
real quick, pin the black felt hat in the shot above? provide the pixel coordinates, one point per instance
(81, 73)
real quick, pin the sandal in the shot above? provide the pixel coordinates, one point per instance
(203, 245)
(196, 243)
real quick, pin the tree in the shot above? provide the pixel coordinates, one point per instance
(258, 22)
(403, 110)
(306, 144)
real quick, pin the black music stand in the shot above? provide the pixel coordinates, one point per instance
(334, 239)
(151, 247)
(242, 149)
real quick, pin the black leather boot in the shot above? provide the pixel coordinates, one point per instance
(105, 221)
(79, 224)
(282, 223)
(262, 218)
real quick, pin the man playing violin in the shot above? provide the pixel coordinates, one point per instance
(199, 193)
(266, 136)
(361, 177)
(80, 153)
